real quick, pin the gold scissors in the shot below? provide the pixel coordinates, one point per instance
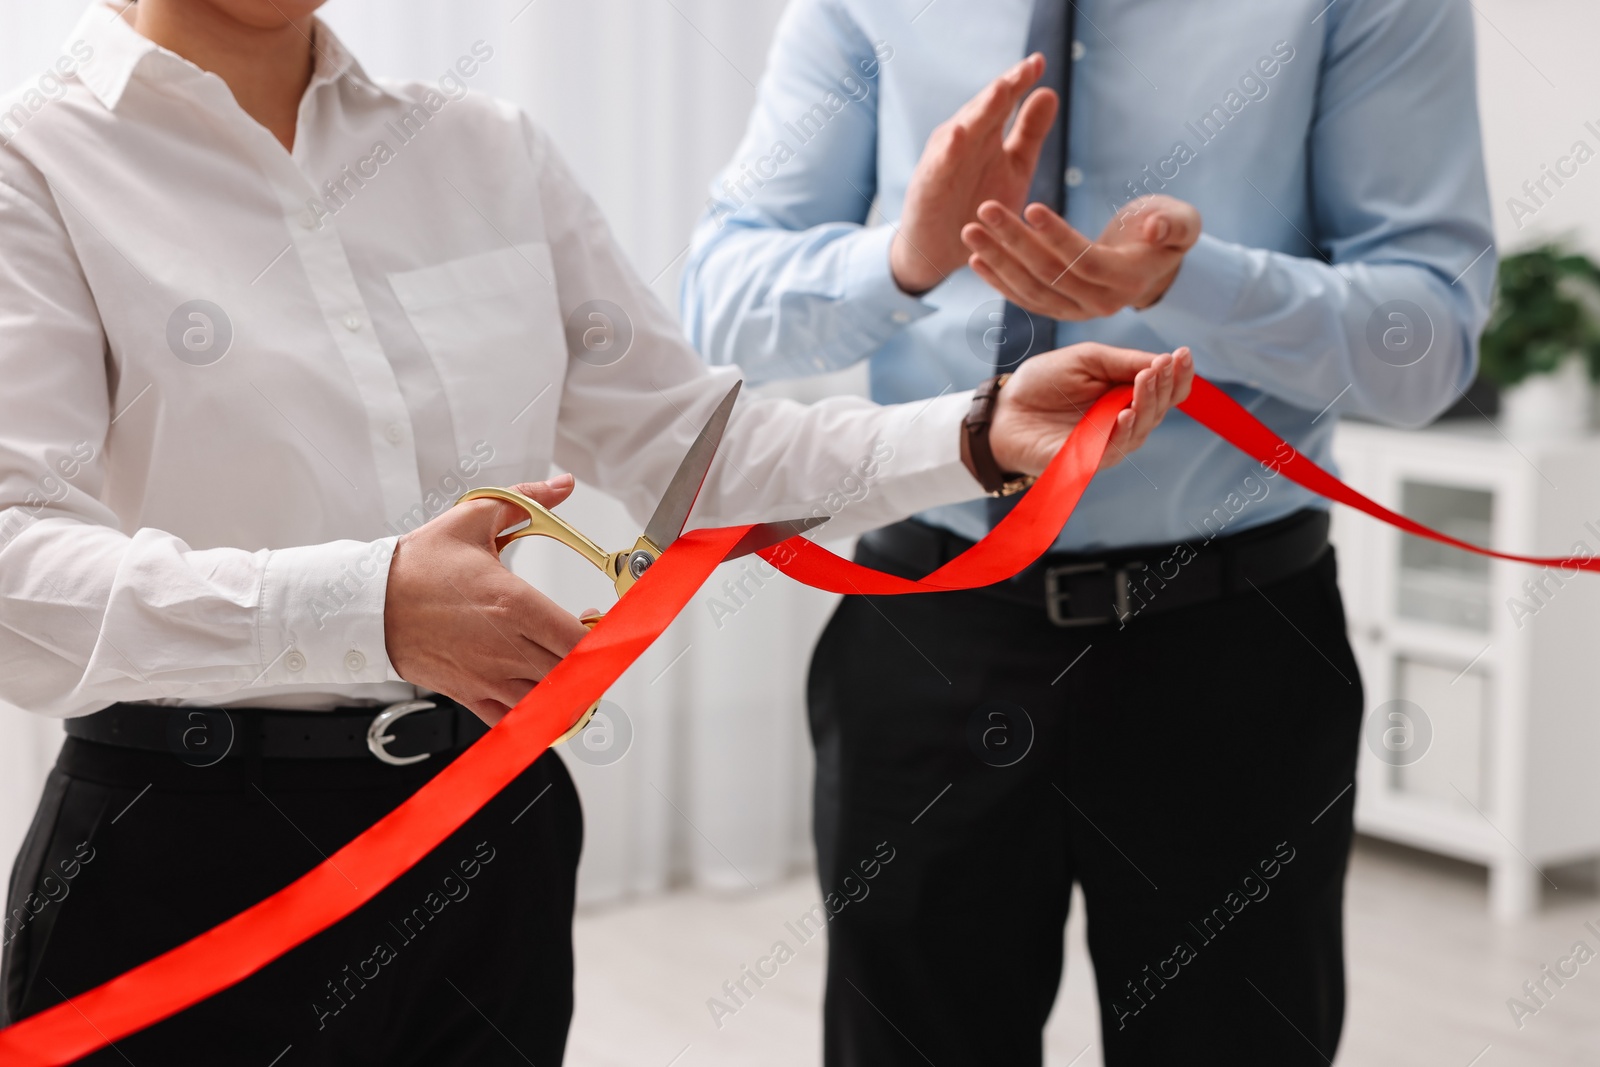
(628, 565)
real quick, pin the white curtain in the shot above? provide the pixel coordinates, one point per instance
(646, 99)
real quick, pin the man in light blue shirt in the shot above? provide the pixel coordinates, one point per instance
(1295, 190)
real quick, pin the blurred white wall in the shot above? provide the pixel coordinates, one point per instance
(647, 98)
(1539, 86)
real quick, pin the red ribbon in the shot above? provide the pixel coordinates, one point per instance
(237, 948)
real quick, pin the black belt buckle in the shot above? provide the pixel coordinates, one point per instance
(1057, 600)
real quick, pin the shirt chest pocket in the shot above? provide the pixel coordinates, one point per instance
(491, 324)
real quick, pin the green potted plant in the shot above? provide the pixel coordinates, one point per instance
(1542, 345)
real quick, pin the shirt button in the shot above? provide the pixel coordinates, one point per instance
(354, 662)
(395, 433)
(295, 662)
(1078, 50)
(901, 317)
(1074, 177)
(308, 220)
(352, 323)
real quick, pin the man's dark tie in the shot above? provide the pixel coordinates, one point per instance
(1025, 334)
(1050, 32)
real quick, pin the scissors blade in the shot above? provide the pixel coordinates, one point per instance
(773, 533)
(673, 511)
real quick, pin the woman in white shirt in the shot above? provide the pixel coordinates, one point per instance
(262, 319)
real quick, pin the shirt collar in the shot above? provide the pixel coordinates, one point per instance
(334, 61)
(116, 50)
(120, 53)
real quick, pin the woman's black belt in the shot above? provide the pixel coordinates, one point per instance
(398, 734)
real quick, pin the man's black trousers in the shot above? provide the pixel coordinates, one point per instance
(1192, 771)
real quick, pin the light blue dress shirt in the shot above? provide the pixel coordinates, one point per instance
(1333, 151)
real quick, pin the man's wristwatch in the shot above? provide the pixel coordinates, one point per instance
(976, 452)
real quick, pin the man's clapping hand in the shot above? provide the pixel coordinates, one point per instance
(1038, 261)
(970, 159)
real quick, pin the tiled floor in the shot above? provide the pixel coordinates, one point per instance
(1430, 974)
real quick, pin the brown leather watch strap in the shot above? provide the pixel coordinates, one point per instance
(976, 451)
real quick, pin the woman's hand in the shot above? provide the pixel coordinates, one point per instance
(457, 622)
(1050, 393)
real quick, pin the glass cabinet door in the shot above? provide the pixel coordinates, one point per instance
(1451, 737)
(1437, 583)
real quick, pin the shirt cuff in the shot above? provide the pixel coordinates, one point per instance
(321, 615)
(1204, 294)
(870, 289)
(928, 472)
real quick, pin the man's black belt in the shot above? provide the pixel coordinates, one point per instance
(1123, 584)
(402, 733)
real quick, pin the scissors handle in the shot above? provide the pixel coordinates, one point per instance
(623, 568)
(542, 522)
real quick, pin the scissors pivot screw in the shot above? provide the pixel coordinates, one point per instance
(638, 563)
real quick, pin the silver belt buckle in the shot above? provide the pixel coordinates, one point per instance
(378, 736)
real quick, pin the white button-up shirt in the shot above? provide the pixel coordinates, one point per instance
(231, 376)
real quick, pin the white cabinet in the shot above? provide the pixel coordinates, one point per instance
(1482, 735)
